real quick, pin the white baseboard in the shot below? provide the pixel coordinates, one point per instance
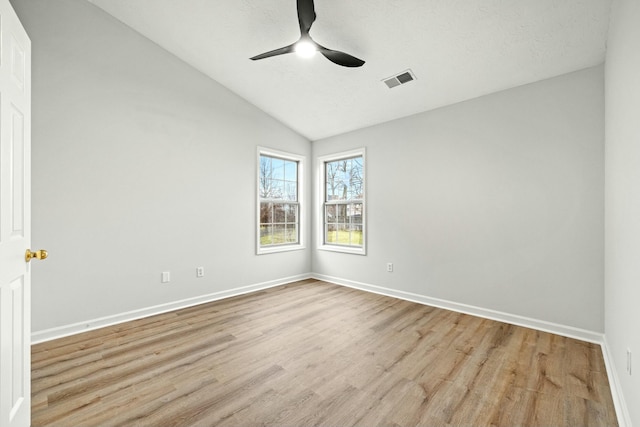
(76, 328)
(541, 325)
(622, 411)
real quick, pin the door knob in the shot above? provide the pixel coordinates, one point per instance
(40, 254)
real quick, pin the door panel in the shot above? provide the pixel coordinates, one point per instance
(17, 173)
(15, 220)
(18, 348)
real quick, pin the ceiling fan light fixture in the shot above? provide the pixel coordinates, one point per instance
(306, 46)
(305, 49)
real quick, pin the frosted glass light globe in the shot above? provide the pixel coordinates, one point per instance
(305, 49)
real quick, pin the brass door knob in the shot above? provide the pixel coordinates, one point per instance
(40, 254)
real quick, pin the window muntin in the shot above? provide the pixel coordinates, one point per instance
(279, 177)
(343, 186)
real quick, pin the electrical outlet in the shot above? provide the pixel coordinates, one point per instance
(629, 361)
(166, 277)
(390, 267)
(200, 272)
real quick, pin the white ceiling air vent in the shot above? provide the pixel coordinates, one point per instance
(400, 79)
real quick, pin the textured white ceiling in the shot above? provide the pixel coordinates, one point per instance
(458, 50)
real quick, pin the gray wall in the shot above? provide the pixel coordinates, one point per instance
(140, 165)
(622, 202)
(496, 202)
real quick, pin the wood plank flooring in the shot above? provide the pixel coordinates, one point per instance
(313, 353)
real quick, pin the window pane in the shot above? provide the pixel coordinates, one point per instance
(344, 180)
(278, 213)
(355, 213)
(290, 191)
(278, 178)
(265, 176)
(333, 181)
(330, 213)
(341, 212)
(291, 235)
(291, 214)
(343, 234)
(278, 234)
(329, 192)
(277, 166)
(276, 189)
(290, 171)
(331, 233)
(266, 213)
(265, 234)
(356, 235)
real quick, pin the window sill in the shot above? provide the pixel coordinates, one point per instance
(278, 249)
(343, 249)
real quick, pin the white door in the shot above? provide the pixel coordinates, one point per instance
(15, 220)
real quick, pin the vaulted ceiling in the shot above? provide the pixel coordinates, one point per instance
(457, 49)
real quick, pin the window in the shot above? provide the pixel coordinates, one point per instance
(279, 201)
(343, 227)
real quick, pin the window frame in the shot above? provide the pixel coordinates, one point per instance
(284, 247)
(322, 202)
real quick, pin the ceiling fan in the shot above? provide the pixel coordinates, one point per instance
(306, 46)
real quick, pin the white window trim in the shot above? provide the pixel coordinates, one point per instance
(302, 222)
(321, 200)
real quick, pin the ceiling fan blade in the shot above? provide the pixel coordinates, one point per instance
(306, 15)
(340, 58)
(275, 52)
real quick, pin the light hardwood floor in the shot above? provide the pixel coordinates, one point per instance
(313, 353)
